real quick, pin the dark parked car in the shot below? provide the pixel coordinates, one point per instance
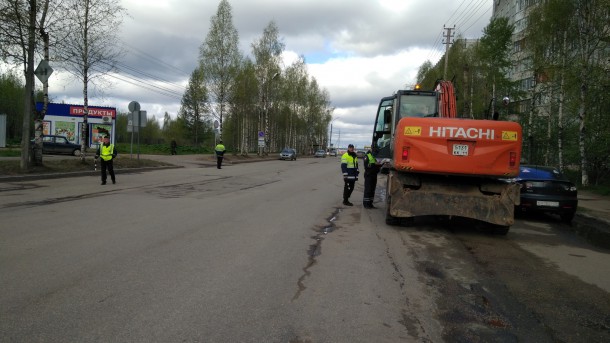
(320, 153)
(59, 145)
(361, 153)
(288, 154)
(545, 189)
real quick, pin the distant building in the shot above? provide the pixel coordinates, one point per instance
(67, 120)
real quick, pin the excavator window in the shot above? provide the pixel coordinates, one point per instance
(418, 106)
(383, 130)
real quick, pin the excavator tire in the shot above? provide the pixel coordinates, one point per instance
(389, 219)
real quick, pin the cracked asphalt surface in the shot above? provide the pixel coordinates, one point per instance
(265, 252)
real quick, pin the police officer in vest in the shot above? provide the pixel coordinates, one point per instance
(349, 167)
(371, 169)
(107, 153)
(220, 151)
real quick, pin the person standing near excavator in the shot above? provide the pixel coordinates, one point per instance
(349, 168)
(371, 169)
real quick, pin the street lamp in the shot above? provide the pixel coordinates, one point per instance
(331, 131)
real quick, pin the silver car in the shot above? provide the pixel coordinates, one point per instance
(320, 153)
(288, 154)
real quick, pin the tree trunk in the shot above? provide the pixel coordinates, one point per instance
(549, 128)
(85, 128)
(582, 134)
(40, 116)
(29, 89)
(561, 101)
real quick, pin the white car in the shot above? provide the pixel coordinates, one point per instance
(320, 153)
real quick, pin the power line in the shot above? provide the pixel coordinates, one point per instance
(152, 58)
(139, 82)
(462, 18)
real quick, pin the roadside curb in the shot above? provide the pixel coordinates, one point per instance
(593, 228)
(42, 176)
(32, 177)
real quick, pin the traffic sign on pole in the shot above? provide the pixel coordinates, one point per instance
(43, 71)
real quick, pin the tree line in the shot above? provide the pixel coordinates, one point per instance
(552, 79)
(253, 101)
(249, 101)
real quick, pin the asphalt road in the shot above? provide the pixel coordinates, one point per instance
(264, 252)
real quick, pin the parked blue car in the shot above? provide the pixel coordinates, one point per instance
(546, 189)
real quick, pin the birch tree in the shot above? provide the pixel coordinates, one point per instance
(548, 36)
(267, 53)
(243, 113)
(220, 58)
(494, 48)
(195, 106)
(18, 44)
(592, 41)
(90, 50)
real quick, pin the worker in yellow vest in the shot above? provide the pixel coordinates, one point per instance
(371, 169)
(107, 153)
(220, 152)
(349, 168)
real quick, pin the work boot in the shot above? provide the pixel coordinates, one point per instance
(347, 203)
(103, 183)
(113, 182)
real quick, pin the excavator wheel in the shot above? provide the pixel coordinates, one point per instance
(389, 219)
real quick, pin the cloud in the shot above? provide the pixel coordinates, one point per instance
(359, 51)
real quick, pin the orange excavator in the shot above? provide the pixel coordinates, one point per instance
(442, 165)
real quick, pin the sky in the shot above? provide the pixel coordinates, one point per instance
(358, 50)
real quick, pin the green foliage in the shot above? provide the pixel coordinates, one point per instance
(220, 58)
(10, 152)
(567, 108)
(603, 190)
(160, 149)
(194, 112)
(12, 95)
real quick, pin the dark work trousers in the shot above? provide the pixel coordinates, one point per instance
(218, 161)
(109, 165)
(370, 183)
(348, 188)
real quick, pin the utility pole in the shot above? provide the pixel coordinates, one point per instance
(447, 42)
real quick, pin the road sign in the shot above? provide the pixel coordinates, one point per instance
(43, 71)
(133, 106)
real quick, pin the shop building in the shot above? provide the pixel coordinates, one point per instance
(67, 120)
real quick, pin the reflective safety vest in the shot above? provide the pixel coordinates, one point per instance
(372, 160)
(349, 161)
(106, 152)
(349, 166)
(220, 149)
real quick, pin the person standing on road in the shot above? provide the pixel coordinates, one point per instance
(371, 169)
(220, 151)
(174, 145)
(349, 167)
(107, 153)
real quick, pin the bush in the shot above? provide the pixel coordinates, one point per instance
(161, 149)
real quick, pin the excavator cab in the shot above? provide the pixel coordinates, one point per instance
(393, 108)
(382, 137)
